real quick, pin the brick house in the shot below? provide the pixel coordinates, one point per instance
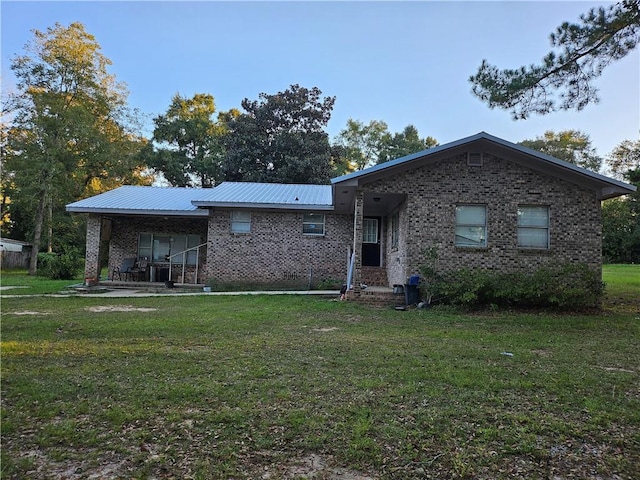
(480, 201)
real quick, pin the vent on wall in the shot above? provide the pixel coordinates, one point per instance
(474, 159)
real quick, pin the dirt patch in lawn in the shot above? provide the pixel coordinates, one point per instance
(29, 312)
(119, 308)
(315, 466)
(325, 329)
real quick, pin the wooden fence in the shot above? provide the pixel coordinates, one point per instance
(11, 260)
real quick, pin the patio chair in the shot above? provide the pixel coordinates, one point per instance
(126, 269)
(139, 270)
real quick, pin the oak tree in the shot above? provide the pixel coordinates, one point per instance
(280, 138)
(188, 146)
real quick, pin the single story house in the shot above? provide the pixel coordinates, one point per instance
(480, 201)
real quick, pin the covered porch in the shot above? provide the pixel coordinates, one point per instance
(378, 256)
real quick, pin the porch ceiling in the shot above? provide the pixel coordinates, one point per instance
(375, 204)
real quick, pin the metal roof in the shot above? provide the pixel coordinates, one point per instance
(268, 195)
(609, 187)
(139, 200)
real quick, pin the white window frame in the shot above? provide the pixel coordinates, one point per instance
(240, 221)
(310, 222)
(539, 229)
(470, 230)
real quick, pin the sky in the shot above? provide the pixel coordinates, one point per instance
(402, 62)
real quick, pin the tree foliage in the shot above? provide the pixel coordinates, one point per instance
(404, 143)
(372, 143)
(280, 138)
(624, 159)
(564, 79)
(70, 134)
(571, 146)
(190, 142)
(621, 216)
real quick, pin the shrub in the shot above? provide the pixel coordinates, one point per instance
(564, 286)
(64, 266)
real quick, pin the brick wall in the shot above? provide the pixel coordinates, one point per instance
(126, 230)
(396, 263)
(276, 252)
(92, 255)
(428, 218)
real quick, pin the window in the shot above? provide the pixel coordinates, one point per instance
(471, 226)
(157, 247)
(533, 227)
(369, 230)
(395, 229)
(313, 224)
(240, 222)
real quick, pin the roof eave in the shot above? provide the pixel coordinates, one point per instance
(261, 206)
(127, 211)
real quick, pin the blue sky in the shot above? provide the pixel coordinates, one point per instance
(400, 62)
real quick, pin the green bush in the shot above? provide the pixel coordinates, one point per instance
(64, 266)
(565, 286)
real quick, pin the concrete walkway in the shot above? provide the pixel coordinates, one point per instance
(131, 293)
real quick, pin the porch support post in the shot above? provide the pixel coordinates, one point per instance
(357, 241)
(92, 257)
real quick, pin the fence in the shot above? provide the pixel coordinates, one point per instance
(11, 260)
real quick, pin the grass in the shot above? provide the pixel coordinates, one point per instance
(289, 387)
(33, 285)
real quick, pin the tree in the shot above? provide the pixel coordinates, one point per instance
(404, 143)
(564, 80)
(621, 216)
(363, 143)
(191, 148)
(625, 158)
(571, 146)
(280, 138)
(70, 133)
(372, 144)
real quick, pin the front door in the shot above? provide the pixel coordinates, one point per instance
(371, 242)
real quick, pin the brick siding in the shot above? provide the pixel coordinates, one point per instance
(276, 252)
(428, 218)
(126, 230)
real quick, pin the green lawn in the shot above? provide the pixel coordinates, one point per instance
(287, 387)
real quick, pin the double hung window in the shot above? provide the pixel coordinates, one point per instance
(533, 227)
(313, 224)
(240, 222)
(471, 226)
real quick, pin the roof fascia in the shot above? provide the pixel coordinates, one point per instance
(609, 187)
(261, 206)
(122, 211)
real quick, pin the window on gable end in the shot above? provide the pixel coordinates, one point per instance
(471, 226)
(533, 227)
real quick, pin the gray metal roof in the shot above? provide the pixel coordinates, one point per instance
(608, 187)
(268, 195)
(139, 200)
